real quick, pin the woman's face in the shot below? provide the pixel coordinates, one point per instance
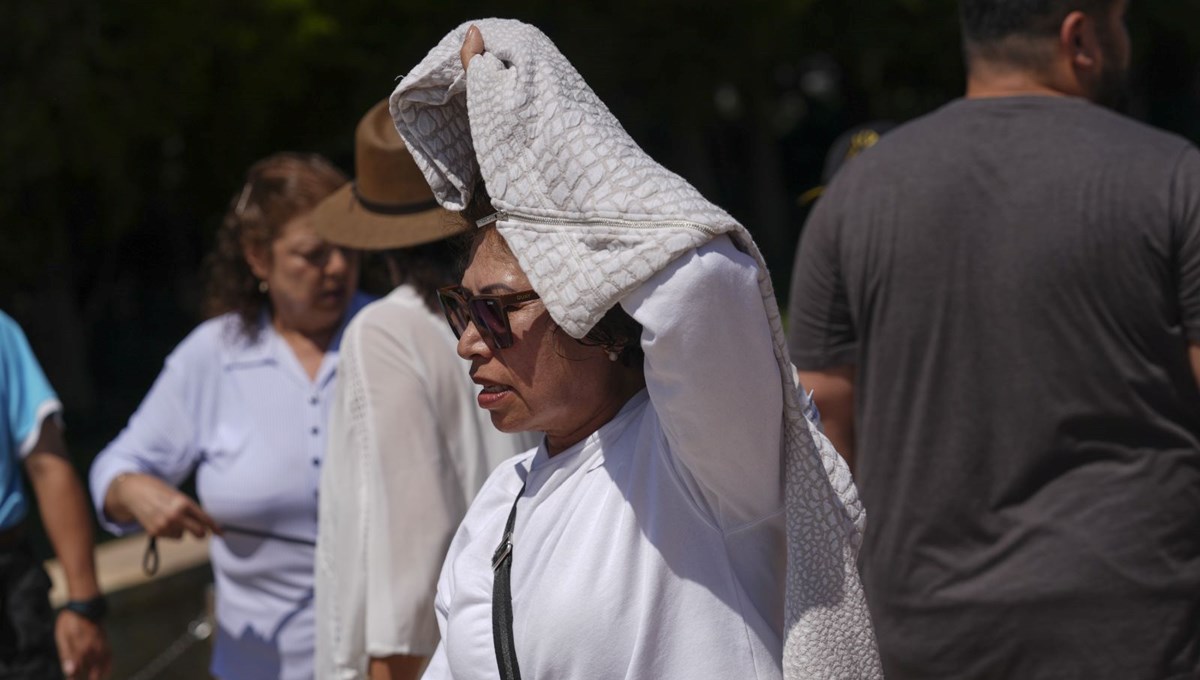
(545, 382)
(310, 281)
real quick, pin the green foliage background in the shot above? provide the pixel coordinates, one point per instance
(125, 128)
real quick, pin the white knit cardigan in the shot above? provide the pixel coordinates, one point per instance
(590, 217)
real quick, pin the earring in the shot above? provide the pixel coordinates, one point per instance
(612, 356)
(263, 287)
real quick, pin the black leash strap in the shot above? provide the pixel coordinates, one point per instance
(502, 611)
(259, 533)
(150, 559)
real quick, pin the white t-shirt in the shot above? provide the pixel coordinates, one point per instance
(408, 448)
(655, 548)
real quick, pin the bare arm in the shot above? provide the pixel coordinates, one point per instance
(67, 518)
(833, 392)
(1194, 355)
(398, 667)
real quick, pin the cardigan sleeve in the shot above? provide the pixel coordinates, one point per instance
(713, 379)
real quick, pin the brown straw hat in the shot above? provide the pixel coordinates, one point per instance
(389, 204)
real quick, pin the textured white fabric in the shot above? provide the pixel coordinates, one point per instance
(654, 548)
(590, 217)
(408, 449)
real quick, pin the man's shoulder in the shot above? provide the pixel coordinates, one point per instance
(908, 145)
(948, 138)
(1065, 117)
(10, 331)
(7, 324)
(1125, 135)
(16, 354)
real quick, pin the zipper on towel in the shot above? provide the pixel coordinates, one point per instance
(595, 221)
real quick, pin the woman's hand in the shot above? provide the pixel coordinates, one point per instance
(159, 507)
(472, 45)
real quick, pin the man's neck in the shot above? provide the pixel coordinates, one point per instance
(986, 81)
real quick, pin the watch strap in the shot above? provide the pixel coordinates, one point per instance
(93, 609)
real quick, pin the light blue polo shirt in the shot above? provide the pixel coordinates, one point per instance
(27, 399)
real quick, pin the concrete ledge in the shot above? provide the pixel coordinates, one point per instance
(119, 563)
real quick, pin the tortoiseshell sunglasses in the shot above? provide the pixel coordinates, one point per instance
(489, 312)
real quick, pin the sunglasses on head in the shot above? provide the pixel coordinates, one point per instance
(488, 312)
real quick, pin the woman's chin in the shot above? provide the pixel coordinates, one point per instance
(504, 422)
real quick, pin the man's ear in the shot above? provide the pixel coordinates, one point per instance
(1079, 41)
(258, 257)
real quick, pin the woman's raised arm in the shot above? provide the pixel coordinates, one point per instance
(713, 379)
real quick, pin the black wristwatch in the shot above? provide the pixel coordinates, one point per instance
(93, 610)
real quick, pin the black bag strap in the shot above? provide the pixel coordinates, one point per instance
(502, 612)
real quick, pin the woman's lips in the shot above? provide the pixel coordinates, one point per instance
(492, 395)
(332, 296)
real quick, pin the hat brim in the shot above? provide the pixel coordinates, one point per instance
(341, 219)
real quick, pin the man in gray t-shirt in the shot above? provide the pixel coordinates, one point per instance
(998, 307)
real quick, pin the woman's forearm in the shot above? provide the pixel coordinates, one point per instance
(396, 667)
(115, 507)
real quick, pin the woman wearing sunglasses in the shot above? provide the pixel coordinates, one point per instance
(609, 306)
(408, 448)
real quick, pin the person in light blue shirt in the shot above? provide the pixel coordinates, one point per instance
(243, 403)
(34, 643)
(28, 402)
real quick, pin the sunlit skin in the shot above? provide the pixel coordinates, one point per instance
(310, 283)
(1088, 58)
(546, 382)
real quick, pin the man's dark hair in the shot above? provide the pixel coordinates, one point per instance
(1001, 30)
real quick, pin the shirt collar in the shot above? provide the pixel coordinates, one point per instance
(240, 350)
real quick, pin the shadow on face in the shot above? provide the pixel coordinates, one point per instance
(309, 281)
(546, 381)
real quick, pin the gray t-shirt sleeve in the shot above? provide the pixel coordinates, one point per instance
(820, 327)
(1185, 214)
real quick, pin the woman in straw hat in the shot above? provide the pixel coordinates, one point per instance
(243, 401)
(681, 518)
(408, 450)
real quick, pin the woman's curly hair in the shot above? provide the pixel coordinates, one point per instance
(277, 189)
(616, 331)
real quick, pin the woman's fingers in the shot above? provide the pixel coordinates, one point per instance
(184, 514)
(154, 504)
(193, 526)
(472, 45)
(165, 511)
(199, 522)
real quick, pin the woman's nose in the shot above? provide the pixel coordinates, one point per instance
(341, 260)
(471, 344)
